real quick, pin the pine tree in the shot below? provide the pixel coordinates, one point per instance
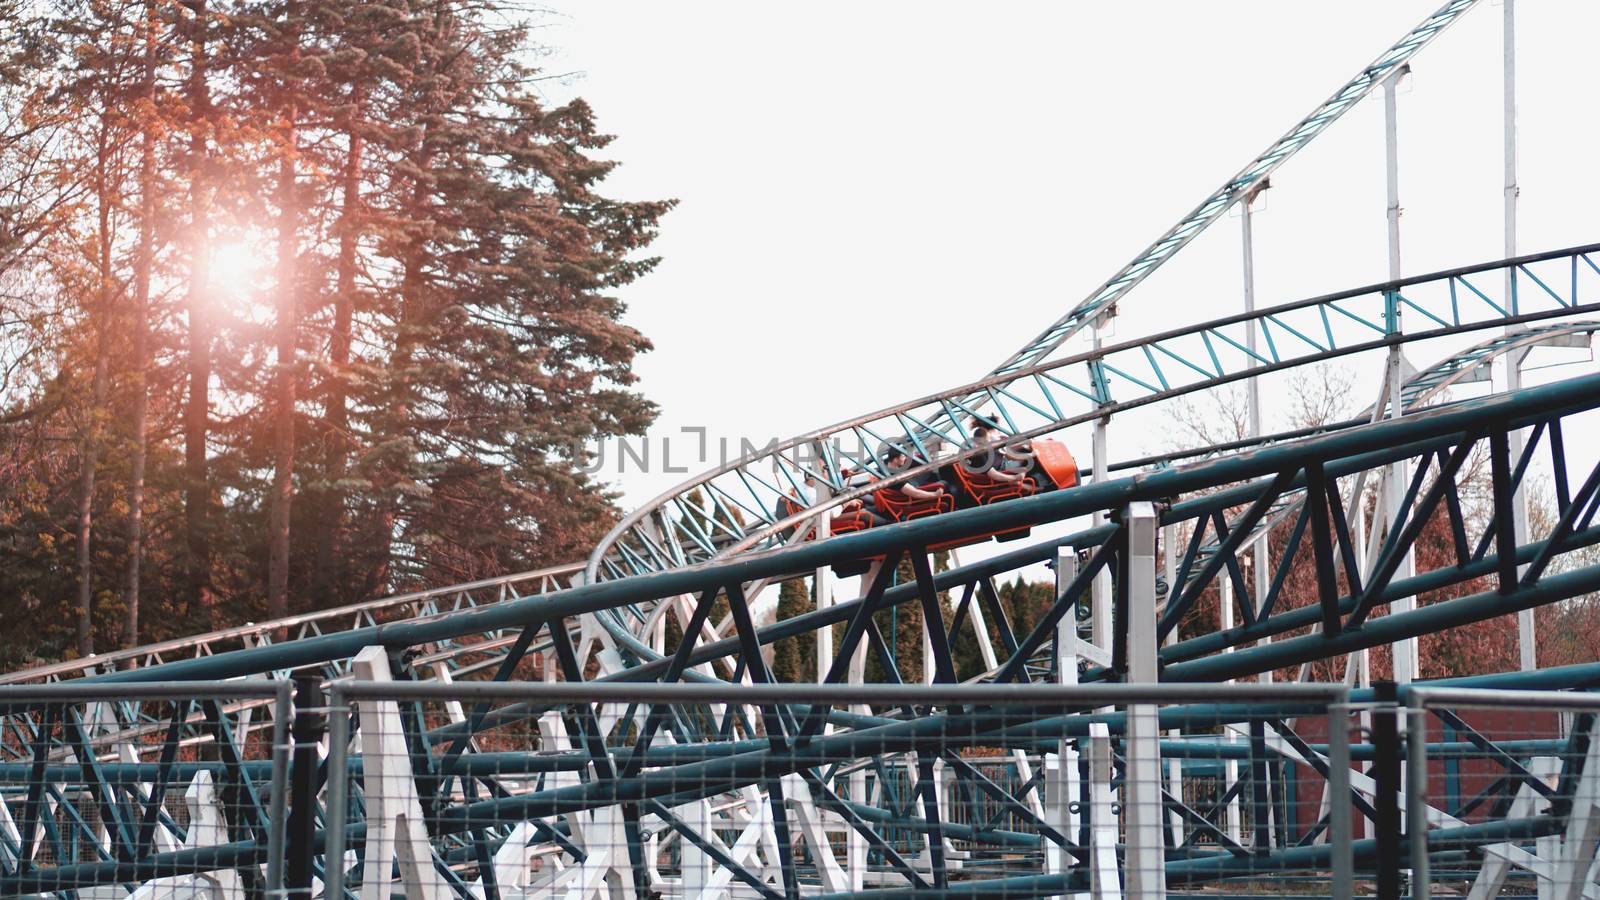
(393, 406)
(201, 177)
(508, 255)
(139, 363)
(794, 659)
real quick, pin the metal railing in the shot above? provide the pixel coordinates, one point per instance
(104, 797)
(786, 789)
(1523, 764)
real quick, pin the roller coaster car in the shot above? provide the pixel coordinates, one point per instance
(897, 506)
(983, 489)
(1054, 468)
(845, 522)
(1052, 460)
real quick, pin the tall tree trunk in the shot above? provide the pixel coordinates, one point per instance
(141, 332)
(413, 313)
(89, 453)
(287, 326)
(336, 427)
(196, 419)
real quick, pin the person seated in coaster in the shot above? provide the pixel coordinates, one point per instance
(927, 486)
(1004, 464)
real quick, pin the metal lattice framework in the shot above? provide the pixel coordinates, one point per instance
(1120, 738)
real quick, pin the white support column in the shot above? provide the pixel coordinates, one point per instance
(1101, 589)
(822, 578)
(1061, 767)
(808, 818)
(1232, 820)
(208, 827)
(395, 829)
(855, 844)
(1169, 541)
(1404, 652)
(1260, 564)
(1067, 639)
(1141, 792)
(695, 863)
(1583, 831)
(1104, 881)
(1492, 873)
(512, 861)
(1527, 650)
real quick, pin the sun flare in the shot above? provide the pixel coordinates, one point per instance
(240, 267)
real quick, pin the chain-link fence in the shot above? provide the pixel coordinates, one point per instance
(704, 790)
(176, 790)
(498, 790)
(1502, 792)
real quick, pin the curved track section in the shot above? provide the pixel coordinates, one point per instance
(625, 781)
(412, 605)
(644, 762)
(739, 507)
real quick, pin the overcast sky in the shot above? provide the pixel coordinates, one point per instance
(884, 200)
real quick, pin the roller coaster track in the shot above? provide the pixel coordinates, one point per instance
(1242, 185)
(723, 517)
(729, 510)
(412, 605)
(1421, 389)
(714, 540)
(1439, 437)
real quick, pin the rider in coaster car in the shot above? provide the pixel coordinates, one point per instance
(1004, 463)
(927, 486)
(852, 515)
(863, 506)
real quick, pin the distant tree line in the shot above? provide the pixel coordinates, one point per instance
(301, 303)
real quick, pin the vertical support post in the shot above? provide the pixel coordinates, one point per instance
(822, 578)
(1386, 794)
(282, 714)
(1175, 823)
(1066, 641)
(302, 836)
(1258, 547)
(1404, 653)
(1527, 655)
(338, 792)
(1391, 160)
(1100, 589)
(1061, 767)
(395, 832)
(1146, 865)
(1416, 799)
(1339, 830)
(1232, 818)
(1103, 881)
(1259, 565)
(855, 842)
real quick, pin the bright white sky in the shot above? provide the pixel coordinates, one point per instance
(883, 200)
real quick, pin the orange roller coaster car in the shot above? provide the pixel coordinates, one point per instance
(1055, 460)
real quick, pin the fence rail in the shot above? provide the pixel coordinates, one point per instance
(378, 786)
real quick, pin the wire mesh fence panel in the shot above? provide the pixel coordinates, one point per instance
(1504, 792)
(175, 790)
(696, 790)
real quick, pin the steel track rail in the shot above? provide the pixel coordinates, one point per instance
(727, 510)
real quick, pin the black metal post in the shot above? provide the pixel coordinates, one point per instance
(1260, 800)
(1386, 775)
(300, 849)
